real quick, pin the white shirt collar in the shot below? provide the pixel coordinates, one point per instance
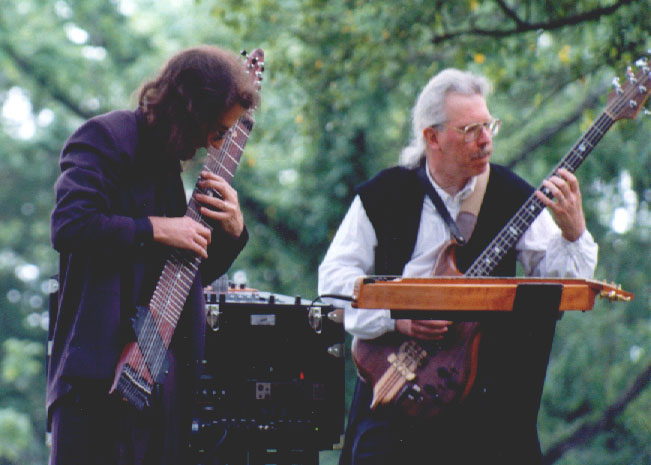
(461, 195)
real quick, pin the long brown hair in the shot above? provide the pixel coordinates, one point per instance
(191, 93)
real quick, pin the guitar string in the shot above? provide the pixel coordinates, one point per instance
(396, 380)
(158, 300)
(163, 303)
(183, 275)
(497, 249)
(180, 270)
(388, 385)
(577, 155)
(139, 365)
(517, 225)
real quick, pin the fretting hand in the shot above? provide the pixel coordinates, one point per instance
(566, 206)
(224, 208)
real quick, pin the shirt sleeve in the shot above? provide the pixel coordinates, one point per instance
(543, 251)
(351, 255)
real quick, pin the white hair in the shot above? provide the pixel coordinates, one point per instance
(429, 109)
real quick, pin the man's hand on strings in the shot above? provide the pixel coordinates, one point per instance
(223, 206)
(181, 232)
(432, 330)
(566, 206)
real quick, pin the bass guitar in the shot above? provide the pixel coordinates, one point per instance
(423, 379)
(142, 364)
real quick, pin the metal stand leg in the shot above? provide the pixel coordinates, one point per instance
(517, 350)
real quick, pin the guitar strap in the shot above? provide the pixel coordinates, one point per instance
(467, 218)
(469, 211)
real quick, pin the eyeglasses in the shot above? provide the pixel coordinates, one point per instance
(472, 131)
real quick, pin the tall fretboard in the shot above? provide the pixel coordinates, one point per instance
(625, 102)
(144, 362)
(181, 267)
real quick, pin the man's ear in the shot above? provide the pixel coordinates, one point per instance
(430, 135)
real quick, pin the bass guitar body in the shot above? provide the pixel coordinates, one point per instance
(421, 378)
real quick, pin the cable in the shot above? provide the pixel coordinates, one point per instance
(332, 296)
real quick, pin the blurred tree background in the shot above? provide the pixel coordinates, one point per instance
(341, 77)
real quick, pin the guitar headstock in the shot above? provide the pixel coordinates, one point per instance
(255, 65)
(628, 99)
(612, 292)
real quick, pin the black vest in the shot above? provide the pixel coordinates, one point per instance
(502, 408)
(393, 201)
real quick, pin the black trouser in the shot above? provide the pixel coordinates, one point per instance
(497, 423)
(388, 438)
(91, 427)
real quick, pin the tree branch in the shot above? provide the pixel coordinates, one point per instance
(56, 93)
(589, 429)
(544, 136)
(522, 26)
(510, 13)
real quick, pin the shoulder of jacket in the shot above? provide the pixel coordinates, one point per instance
(388, 178)
(113, 134)
(120, 124)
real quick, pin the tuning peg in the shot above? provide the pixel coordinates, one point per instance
(243, 53)
(642, 62)
(646, 112)
(617, 85)
(631, 75)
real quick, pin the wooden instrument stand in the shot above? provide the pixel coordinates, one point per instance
(471, 299)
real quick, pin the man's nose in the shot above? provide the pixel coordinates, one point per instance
(485, 135)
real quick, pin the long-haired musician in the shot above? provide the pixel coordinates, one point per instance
(120, 205)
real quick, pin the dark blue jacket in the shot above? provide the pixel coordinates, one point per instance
(114, 175)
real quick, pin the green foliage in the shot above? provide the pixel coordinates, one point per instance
(15, 435)
(341, 77)
(21, 362)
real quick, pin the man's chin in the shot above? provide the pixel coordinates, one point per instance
(481, 164)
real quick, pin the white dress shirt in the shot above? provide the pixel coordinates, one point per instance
(542, 251)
